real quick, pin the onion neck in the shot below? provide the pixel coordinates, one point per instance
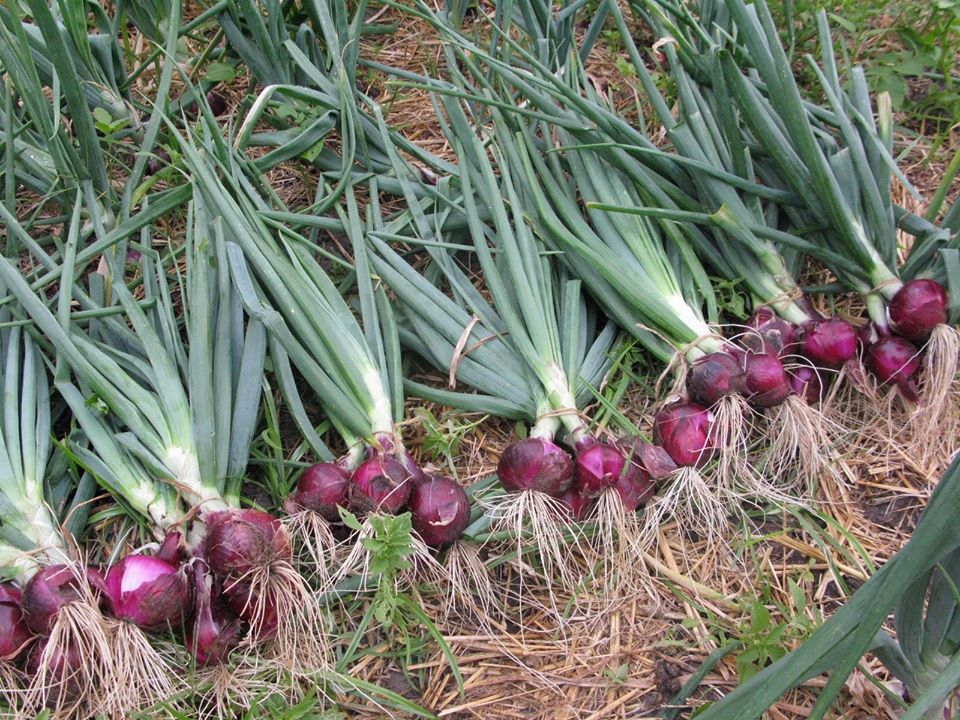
(563, 404)
(186, 474)
(547, 424)
(877, 310)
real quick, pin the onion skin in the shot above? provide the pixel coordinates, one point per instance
(14, 633)
(713, 377)
(917, 308)
(652, 458)
(772, 334)
(895, 359)
(634, 489)
(240, 541)
(578, 507)
(50, 589)
(830, 343)
(535, 464)
(606, 466)
(440, 511)
(172, 549)
(380, 484)
(323, 489)
(683, 429)
(215, 630)
(63, 671)
(149, 592)
(244, 602)
(766, 380)
(806, 383)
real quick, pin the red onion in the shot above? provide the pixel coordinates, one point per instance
(577, 505)
(806, 383)
(604, 466)
(14, 633)
(713, 377)
(63, 672)
(379, 484)
(772, 334)
(215, 631)
(683, 429)
(50, 589)
(917, 308)
(830, 343)
(149, 592)
(248, 605)
(440, 510)
(895, 359)
(535, 464)
(323, 489)
(766, 380)
(240, 541)
(634, 488)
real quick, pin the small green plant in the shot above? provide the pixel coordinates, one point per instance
(444, 435)
(766, 640)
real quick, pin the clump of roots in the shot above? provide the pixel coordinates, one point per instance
(935, 423)
(803, 447)
(732, 427)
(144, 678)
(470, 591)
(288, 626)
(75, 688)
(534, 523)
(11, 679)
(314, 546)
(226, 691)
(617, 546)
(694, 502)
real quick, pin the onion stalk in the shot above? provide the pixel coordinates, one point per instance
(837, 160)
(54, 617)
(352, 367)
(185, 412)
(531, 352)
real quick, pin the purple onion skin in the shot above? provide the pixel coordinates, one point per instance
(50, 589)
(606, 466)
(895, 359)
(380, 484)
(684, 430)
(215, 630)
(14, 633)
(597, 469)
(535, 464)
(652, 458)
(714, 376)
(149, 592)
(806, 383)
(576, 505)
(767, 383)
(634, 489)
(830, 343)
(239, 541)
(772, 334)
(323, 489)
(440, 511)
(244, 602)
(62, 671)
(172, 549)
(917, 308)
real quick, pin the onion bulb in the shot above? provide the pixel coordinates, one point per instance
(440, 511)
(535, 464)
